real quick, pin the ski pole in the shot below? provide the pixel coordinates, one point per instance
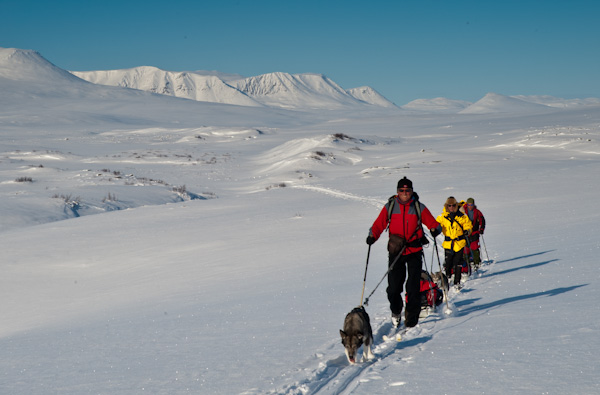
(365, 279)
(432, 260)
(444, 283)
(470, 250)
(486, 254)
(385, 275)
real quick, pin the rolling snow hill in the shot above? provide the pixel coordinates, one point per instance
(439, 104)
(558, 102)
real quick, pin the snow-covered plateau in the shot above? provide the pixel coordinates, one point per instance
(156, 244)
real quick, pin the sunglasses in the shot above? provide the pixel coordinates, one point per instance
(452, 205)
(405, 190)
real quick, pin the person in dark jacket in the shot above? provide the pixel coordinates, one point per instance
(478, 221)
(403, 216)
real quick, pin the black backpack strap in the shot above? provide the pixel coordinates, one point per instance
(419, 223)
(418, 208)
(391, 203)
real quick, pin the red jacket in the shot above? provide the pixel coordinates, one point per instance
(477, 219)
(404, 222)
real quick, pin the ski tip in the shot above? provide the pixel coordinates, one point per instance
(400, 335)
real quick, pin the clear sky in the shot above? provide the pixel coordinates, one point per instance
(405, 50)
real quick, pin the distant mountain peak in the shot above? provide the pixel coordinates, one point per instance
(497, 103)
(370, 95)
(29, 65)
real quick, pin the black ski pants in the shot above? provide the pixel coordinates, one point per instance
(454, 260)
(412, 263)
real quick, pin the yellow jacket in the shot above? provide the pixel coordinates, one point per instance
(454, 229)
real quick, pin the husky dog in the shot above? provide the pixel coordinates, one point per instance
(357, 330)
(440, 280)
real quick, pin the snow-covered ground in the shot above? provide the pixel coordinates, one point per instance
(151, 244)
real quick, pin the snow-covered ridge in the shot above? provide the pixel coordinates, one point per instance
(187, 85)
(273, 89)
(303, 90)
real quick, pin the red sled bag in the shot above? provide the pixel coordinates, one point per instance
(431, 294)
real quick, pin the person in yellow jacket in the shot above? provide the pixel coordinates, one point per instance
(455, 226)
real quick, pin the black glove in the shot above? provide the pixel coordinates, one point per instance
(370, 240)
(435, 232)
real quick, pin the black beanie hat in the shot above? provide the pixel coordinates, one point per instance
(405, 183)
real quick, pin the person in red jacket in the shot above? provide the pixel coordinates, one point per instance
(403, 216)
(478, 221)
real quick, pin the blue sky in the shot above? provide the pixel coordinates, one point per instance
(405, 50)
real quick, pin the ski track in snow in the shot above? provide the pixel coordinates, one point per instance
(337, 376)
(376, 202)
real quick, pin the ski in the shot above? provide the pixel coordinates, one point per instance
(408, 333)
(395, 333)
(401, 334)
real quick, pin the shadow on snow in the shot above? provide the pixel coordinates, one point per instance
(514, 269)
(512, 299)
(524, 256)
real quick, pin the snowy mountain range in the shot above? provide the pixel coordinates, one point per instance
(301, 91)
(274, 89)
